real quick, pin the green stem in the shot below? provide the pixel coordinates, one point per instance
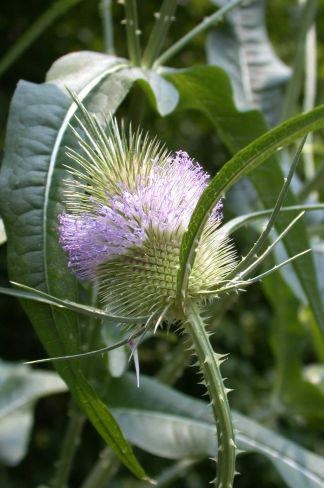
(133, 32)
(315, 184)
(174, 365)
(207, 22)
(160, 30)
(310, 95)
(105, 7)
(69, 447)
(295, 83)
(36, 29)
(210, 364)
(106, 467)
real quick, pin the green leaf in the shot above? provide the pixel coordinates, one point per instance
(292, 392)
(82, 69)
(162, 94)
(36, 295)
(170, 424)
(197, 90)
(79, 69)
(20, 388)
(31, 196)
(241, 47)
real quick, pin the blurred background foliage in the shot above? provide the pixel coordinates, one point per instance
(245, 321)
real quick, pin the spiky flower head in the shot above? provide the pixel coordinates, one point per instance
(129, 203)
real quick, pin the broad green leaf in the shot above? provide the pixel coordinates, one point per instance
(20, 388)
(170, 424)
(162, 95)
(197, 91)
(241, 47)
(166, 435)
(79, 69)
(31, 196)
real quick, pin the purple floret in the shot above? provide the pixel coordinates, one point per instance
(165, 202)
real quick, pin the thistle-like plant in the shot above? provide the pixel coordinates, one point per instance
(128, 205)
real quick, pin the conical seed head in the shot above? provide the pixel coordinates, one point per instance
(143, 279)
(131, 206)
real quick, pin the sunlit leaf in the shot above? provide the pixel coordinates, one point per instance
(84, 68)
(20, 388)
(170, 424)
(241, 47)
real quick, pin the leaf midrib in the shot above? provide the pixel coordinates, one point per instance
(261, 446)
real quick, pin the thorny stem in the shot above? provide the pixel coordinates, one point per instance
(210, 365)
(207, 22)
(160, 30)
(107, 23)
(133, 32)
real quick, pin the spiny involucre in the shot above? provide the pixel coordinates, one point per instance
(128, 206)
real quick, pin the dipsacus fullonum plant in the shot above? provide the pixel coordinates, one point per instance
(128, 208)
(128, 205)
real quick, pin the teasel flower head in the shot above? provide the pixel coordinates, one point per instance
(128, 204)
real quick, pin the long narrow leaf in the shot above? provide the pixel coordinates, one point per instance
(250, 257)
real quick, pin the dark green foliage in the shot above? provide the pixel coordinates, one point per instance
(221, 111)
